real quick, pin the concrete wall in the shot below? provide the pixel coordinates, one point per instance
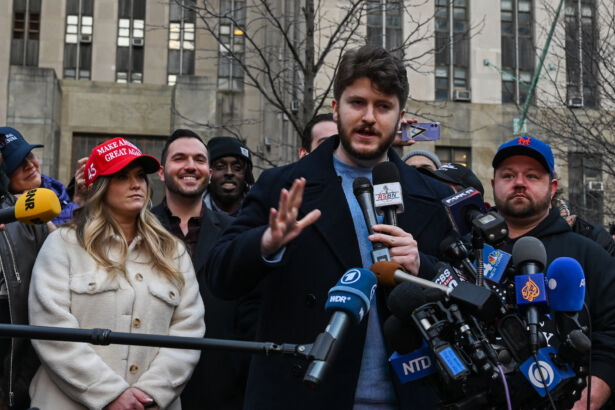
(101, 107)
(194, 97)
(34, 108)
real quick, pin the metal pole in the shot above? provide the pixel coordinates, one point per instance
(540, 64)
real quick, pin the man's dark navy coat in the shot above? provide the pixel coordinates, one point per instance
(294, 290)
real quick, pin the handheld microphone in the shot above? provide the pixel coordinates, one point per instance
(402, 335)
(566, 285)
(530, 257)
(36, 206)
(566, 290)
(364, 192)
(387, 192)
(466, 210)
(447, 276)
(452, 248)
(479, 301)
(349, 301)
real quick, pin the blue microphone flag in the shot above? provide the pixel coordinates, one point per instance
(414, 365)
(353, 293)
(552, 374)
(530, 290)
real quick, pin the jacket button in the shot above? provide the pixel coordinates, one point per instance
(136, 322)
(172, 295)
(92, 286)
(133, 368)
(139, 277)
(310, 300)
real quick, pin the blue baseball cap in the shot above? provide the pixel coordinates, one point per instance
(15, 150)
(528, 146)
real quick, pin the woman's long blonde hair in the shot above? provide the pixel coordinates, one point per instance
(95, 227)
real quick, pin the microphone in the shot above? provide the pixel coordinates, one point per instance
(553, 374)
(364, 192)
(479, 301)
(412, 359)
(566, 291)
(36, 206)
(447, 276)
(566, 285)
(402, 335)
(495, 262)
(349, 301)
(530, 257)
(466, 210)
(453, 249)
(387, 192)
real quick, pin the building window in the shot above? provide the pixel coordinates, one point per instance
(26, 32)
(585, 186)
(580, 49)
(458, 155)
(180, 60)
(78, 39)
(231, 44)
(452, 47)
(387, 14)
(130, 41)
(517, 49)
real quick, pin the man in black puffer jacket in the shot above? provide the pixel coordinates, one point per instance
(523, 187)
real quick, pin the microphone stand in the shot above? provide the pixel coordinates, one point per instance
(106, 337)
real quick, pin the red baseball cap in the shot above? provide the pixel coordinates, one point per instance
(114, 155)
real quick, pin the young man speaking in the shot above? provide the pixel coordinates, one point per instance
(301, 228)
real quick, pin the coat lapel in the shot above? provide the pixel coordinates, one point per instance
(324, 191)
(421, 203)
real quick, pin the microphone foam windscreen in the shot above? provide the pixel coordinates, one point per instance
(529, 249)
(566, 285)
(353, 293)
(404, 299)
(403, 336)
(361, 185)
(37, 206)
(385, 271)
(384, 173)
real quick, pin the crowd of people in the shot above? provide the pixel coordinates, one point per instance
(228, 257)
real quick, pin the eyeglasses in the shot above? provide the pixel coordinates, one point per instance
(2, 141)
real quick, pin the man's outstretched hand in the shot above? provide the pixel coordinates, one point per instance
(283, 223)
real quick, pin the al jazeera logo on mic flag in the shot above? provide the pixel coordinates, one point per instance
(531, 289)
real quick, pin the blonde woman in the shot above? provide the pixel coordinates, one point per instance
(114, 266)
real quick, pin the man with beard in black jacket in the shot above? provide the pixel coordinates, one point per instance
(19, 245)
(523, 186)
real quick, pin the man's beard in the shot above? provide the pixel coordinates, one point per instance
(177, 189)
(506, 209)
(227, 197)
(345, 140)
